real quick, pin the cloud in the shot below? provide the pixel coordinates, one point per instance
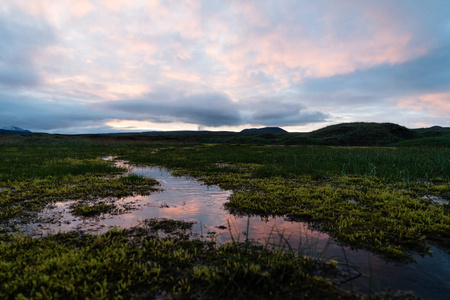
(22, 38)
(38, 114)
(427, 73)
(213, 110)
(411, 93)
(388, 85)
(209, 109)
(437, 105)
(280, 112)
(297, 40)
(223, 63)
(18, 76)
(164, 107)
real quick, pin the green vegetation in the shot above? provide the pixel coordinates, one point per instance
(405, 165)
(85, 210)
(168, 226)
(137, 264)
(36, 171)
(376, 198)
(373, 198)
(25, 197)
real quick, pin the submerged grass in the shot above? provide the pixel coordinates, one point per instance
(168, 225)
(364, 213)
(85, 210)
(25, 197)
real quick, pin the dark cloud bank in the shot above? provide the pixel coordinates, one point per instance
(426, 74)
(214, 110)
(210, 109)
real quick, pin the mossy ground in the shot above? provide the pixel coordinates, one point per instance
(135, 263)
(372, 198)
(38, 171)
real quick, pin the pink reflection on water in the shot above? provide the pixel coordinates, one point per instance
(186, 199)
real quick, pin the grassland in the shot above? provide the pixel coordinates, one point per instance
(345, 134)
(374, 198)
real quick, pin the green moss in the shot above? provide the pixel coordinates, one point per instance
(372, 198)
(85, 210)
(28, 196)
(135, 264)
(167, 225)
(362, 212)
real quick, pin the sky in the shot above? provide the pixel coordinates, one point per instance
(95, 66)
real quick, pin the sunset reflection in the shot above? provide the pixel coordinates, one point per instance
(184, 198)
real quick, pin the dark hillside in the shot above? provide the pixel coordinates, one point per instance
(432, 131)
(345, 134)
(435, 136)
(362, 134)
(433, 141)
(14, 130)
(264, 130)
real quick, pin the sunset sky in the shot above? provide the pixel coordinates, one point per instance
(86, 66)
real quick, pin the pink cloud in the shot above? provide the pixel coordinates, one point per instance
(244, 47)
(436, 104)
(111, 50)
(116, 5)
(287, 51)
(56, 12)
(181, 75)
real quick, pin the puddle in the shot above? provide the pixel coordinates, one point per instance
(184, 198)
(436, 199)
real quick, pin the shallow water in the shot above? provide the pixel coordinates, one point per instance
(184, 198)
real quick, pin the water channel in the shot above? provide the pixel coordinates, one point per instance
(184, 198)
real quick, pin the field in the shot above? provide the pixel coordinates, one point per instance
(392, 201)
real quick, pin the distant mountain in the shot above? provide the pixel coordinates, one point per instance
(14, 130)
(439, 127)
(264, 130)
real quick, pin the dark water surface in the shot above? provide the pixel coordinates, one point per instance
(186, 199)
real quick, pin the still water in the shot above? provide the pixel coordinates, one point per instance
(184, 198)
